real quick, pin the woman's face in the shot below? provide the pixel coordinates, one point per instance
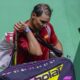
(40, 21)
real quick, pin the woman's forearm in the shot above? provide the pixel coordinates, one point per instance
(34, 46)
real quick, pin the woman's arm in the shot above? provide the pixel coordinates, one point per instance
(34, 46)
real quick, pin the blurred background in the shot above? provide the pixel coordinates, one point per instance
(65, 19)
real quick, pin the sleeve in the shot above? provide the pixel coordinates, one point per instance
(53, 37)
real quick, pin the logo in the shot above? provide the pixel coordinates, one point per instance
(52, 74)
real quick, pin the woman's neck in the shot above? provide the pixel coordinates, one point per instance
(30, 24)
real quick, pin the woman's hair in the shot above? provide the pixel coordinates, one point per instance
(40, 8)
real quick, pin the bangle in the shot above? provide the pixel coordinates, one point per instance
(27, 29)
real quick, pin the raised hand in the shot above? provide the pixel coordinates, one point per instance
(20, 26)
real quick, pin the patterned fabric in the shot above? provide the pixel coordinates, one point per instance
(6, 47)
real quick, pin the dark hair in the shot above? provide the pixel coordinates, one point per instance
(40, 8)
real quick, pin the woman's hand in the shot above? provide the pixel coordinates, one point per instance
(20, 26)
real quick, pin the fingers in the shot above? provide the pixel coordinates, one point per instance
(19, 26)
(25, 25)
(21, 23)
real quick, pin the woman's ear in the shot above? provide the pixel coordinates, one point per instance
(33, 15)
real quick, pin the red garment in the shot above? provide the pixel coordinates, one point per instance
(23, 56)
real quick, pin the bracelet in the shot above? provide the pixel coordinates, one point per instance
(27, 29)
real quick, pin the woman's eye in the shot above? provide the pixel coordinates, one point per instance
(43, 22)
